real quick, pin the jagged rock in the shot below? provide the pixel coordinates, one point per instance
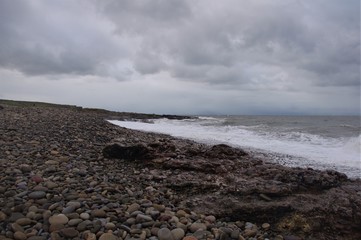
(133, 152)
(200, 165)
(225, 151)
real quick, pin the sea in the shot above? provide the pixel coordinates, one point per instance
(318, 142)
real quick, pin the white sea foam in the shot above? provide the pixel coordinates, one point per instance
(318, 152)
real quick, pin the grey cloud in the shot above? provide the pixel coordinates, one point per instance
(289, 35)
(206, 41)
(316, 41)
(138, 17)
(44, 39)
(283, 46)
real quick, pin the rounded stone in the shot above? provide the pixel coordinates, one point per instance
(178, 233)
(182, 226)
(33, 209)
(56, 227)
(69, 209)
(69, 232)
(15, 216)
(55, 236)
(235, 234)
(54, 206)
(266, 226)
(143, 218)
(190, 238)
(58, 219)
(110, 225)
(10, 193)
(250, 232)
(51, 162)
(37, 194)
(279, 237)
(51, 185)
(74, 203)
(16, 227)
(84, 216)
(165, 234)
(2, 216)
(46, 214)
(84, 225)
(25, 168)
(74, 222)
(90, 236)
(133, 207)
(159, 207)
(154, 231)
(100, 213)
(108, 236)
(181, 213)
(19, 235)
(37, 179)
(210, 219)
(24, 221)
(197, 226)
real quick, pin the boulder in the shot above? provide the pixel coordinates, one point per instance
(225, 151)
(132, 152)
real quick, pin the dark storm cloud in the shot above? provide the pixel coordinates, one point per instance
(250, 48)
(207, 41)
(53, 38)
(218, 42)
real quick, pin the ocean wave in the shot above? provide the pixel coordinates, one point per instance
(350, 126)
(353, 144)
(207, 118)
(343, 153)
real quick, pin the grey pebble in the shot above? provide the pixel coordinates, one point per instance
(37, 194)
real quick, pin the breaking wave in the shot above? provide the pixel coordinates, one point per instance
(311, 150)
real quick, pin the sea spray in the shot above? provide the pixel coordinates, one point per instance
(317, 142)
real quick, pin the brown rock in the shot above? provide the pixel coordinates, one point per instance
(90, 236)
(99, 213)
(16, 227)
(190, 238)
(56, 227)
(20, 236)
(25, 168)
(133, 207)
(69, 232)
(2, 216)
(37, 179)
(108, 236)
(58, 219)
(51, 185)
(24, 221)
(197, 226)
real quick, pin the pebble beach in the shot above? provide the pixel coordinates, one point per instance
(67, 173)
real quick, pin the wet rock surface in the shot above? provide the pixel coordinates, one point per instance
(66, 173)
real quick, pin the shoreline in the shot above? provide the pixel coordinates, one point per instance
(279, 156)
(54, 161)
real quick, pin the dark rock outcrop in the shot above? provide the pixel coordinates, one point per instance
(224, 151)
(134, 152)
(231, 184)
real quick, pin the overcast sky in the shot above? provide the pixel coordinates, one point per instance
(184, 57)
